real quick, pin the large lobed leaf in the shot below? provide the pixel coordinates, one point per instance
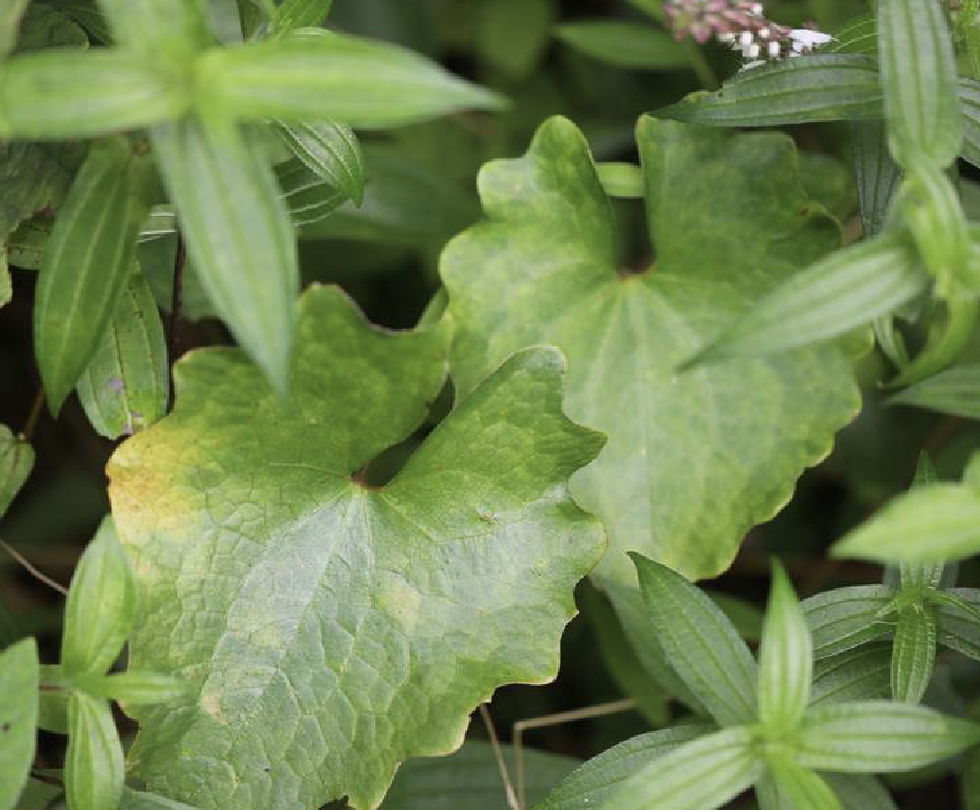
(328, 629)
(694, 460)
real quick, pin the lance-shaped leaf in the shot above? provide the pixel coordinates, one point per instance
(330, 630)
(929, 523)
(684, 475)
(127, 383)
(958, 627)
(913, 654)
(878, 736)
(331, 152)
(848, 289)
(317, 74)
(876, 173)
(86, 263)
(131, 687)
(18, 718)
(918, 77)
(700, 643)
(861, 673)
(94, 770)
(785, 656)
(293, 14)
(10, 15)
(955, 391)
(625, 44)
(101, 606)
(859, 792)
(16, 461)
(700, 775)
(308, 198)
(822, 87)
(799, 787)
(238, 233)
(858, 35)
(591, 784)
(59, 94)
(846, 617)
(969, 95)
(922, 575)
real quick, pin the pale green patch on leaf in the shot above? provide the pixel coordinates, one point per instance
(127, 382)
(94, 770)
(100, 608)
(330, 630)
(700, 775)
(688, 469)
(245, 253)
(700, 644)
(591, 784)
(879, 737)
(785, 657)
(625, 44)
(16, 461)
(18, 718)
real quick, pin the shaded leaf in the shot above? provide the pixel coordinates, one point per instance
(16, 461)
(594, 782)
(858, 35)
(879, 737)
(86, 263)
(955, 391)
(957, 628)
(10, 16)
(918, 77)
(244, 254)
(969, 95)
(859, 792)
(846, 617)
(700, 775)
(860, 673)
(94, 770)
(127, 383)
(331, 152)
(37, 795)
(18, 718)
(822, 87)
(876, 173)
(624, 44)
(100, 608)
(355, 611)
(700, 644)
(316, 75)
(293, 14)
(511, 37)
(684, 475)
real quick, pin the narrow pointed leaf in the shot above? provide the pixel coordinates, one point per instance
(957, 628)
(700, 775)
(18, 718)
(360, 82)
(822, 87)
(127, 383)
(16, 461)
(913, 654)
(928, 575)
(627, 45)
(918, 76)
(409, 602)
(331, 152)
(876, 173)
(955, 391)
(879, 737)
(848, 289)
(592, 784)
(59, 94)
(101, 606)
(245, 253)
(132, 687)
(10, 16)
(785, 656)
(802, 789)
(700, 643)
(94, 769)
(307, 197)
(861, 673)
(969, 95)
(87, 262)
(846, 617)
(858, 35)
(860, 792)
(293, 14)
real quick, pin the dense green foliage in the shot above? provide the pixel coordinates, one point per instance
(404, 331)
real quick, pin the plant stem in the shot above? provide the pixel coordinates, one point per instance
(700, 66)
(32, 570)
(32, 418)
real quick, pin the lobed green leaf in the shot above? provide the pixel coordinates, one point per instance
(101, 606)
(244, 254)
